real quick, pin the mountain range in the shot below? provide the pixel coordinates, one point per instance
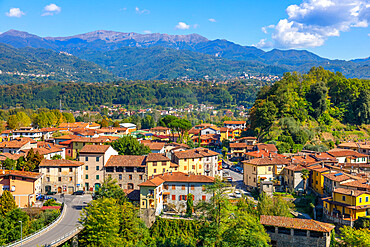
(163, 56)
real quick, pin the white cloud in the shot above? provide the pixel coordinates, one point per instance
(182, 26)
(147, 32)
(263, 43)
(212, 20)
(144, 11)
(15, 12)
(312, 22)
(51, 9)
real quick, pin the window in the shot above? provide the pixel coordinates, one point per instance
(360, 199)
(119, 169)
(70, 170)
(173, 197)
(86, 158)
(164, 170)
(130, 186)
(48, 179)
(120, 176)
(185, 167)
(155, 163)
(86, 168)
(367, 199)
(183, 187)
(164, 163)
(70, 178)
(193, 167)
(192, 187)
(200, 166)
(140, 169)
(97, 159)
(165, 186)
(173, 187)
(97, 176)
(97, 168)
(343, 198)
(130, 177)
(59, 169)
(155, 171)
(47, 169)
(203, 187)
(269, 168)
(129, 169)
(184, 197)
(109, 169)
(203, 198)
(86, 176)
(59, 179)
(141, 177)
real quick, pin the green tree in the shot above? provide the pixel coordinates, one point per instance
(116, 124)
(110, 189)
(189, 205)
(275, 206)
(305, 175)
(13, 122)
(9, 164)
(23, 119)
(262, 114)
(166, 120)
(104, 123)
(101, 221)
(355, 237)
(128, 145)
(180, 125)
(317, 97)
(7, 202)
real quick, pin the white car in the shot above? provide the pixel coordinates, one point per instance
(237, 194)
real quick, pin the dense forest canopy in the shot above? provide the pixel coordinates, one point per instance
(84, 96)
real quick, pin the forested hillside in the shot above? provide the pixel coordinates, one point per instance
(317, 108)
(44, 65)
(79, 96)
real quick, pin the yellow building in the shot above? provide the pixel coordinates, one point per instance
(24, 186)
(189, 161)
(261, 169)
(157, 163)
(347, 204)
(317, 178)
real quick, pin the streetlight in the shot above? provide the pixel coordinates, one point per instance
(21, 232)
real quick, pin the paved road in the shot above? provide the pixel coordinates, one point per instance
(74, 203)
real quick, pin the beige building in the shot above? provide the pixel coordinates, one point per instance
(24, 186)
(95, 157)
(61, 176)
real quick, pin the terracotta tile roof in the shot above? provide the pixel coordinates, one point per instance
(205, 152)
(43, 150)
(363, 184)
(4, 156)
(267, 147)
(348, 145)
(66, 137)
(339, 177)
(33, 175)
(16, 143)
(97, 149)
(74, 125)
(173, 165)
(155, 145)
(187, 154)
(60, 163)
(49, 129)
(154, 182)
(295, 168)
(304, 159)
(345, 153)
(350, 192)
(247, 138)
(152, 157)
(126, 160)
(234, 122)
(238, 145)
(178, 177)
(264, 153)
(224, 129)
(159, 128)
(267, 161)
(295, 223)
(318, 168)
(194, 131)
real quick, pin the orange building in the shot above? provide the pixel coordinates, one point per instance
(23, 185)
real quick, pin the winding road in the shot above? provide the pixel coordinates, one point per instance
(70, 221)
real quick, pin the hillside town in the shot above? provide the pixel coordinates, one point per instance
(79, 157)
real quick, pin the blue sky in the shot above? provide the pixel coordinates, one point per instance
(330, 28)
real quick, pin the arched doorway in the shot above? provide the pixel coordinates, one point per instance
(47, 188)
(96, 186)
(59, 189)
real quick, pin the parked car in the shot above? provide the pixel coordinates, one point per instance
(79, 192)
(237, 194)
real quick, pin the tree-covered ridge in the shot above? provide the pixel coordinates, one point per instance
(42, 65)
(80, 96)
(299, 107)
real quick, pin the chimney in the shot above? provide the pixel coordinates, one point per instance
(352, 193)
